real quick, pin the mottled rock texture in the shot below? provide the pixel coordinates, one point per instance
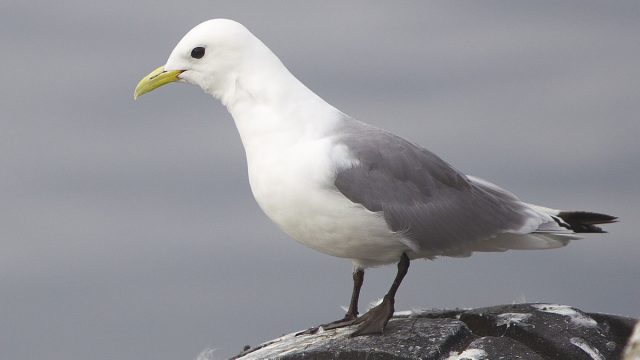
(522, 331)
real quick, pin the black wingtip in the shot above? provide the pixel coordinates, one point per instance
(585, 222)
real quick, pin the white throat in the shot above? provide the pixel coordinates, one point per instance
(271, 107)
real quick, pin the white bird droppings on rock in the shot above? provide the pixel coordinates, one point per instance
(469, 354)
(509, 319)
(591, 351)
(564, 310)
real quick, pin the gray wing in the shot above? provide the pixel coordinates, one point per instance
(435, 206)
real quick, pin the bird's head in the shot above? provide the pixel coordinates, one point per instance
(211, 55)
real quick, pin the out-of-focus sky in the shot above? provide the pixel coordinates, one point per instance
(128, 230)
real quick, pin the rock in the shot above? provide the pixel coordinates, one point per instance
(492, 347)
(523, 331)
(554, 331)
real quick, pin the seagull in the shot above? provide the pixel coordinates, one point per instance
(346, 188)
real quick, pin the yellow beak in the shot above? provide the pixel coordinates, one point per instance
(154, 80)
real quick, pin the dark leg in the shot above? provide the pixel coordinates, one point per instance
(358, 279)
(352, 313)
(375, 320)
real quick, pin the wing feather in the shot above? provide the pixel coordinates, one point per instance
(429, 201)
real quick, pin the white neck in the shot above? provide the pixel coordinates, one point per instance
(271, 108)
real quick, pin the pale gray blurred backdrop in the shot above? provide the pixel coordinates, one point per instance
(128, 230)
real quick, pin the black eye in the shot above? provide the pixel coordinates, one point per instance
(197, 52)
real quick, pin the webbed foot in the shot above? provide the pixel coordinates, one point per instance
(376, 319)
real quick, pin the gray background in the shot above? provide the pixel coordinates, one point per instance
(128, 230)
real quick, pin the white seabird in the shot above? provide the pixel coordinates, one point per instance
(349, 189)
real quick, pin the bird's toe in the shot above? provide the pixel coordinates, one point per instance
(375, 320)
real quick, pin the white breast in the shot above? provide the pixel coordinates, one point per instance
(294, 187)
(292, 161)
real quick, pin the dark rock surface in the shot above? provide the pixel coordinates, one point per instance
(522, 331)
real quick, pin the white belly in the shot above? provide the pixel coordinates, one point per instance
(299, 196)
